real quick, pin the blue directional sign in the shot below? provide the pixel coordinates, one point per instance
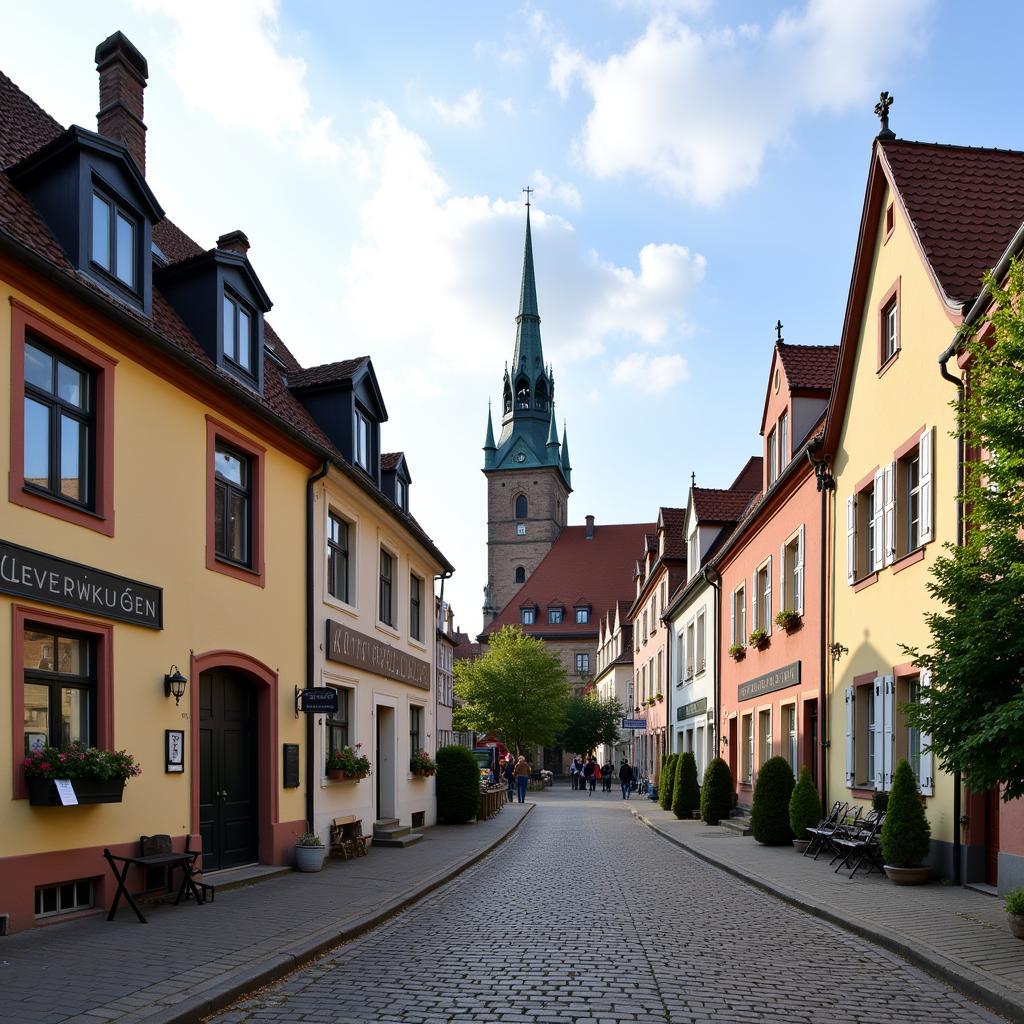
(634, 723)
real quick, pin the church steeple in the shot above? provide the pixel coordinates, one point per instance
(529, 353)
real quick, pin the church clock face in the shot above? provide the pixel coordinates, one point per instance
(519, 456)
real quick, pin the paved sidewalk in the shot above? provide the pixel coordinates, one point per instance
(958, 934)
(190, 960)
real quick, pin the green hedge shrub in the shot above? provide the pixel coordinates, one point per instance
(804, 806)
(716, 796)
(686, 794)
(769, 818)
(906, 832)
(458, 784)
(667, 781)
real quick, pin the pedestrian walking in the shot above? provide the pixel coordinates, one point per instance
(590, 773)
(509, 772)
(625, 778)
(576, 772)
(522, 776)
(607, 772)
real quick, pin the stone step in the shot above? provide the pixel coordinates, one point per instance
(738, 823)
(246, 874)
(407, 839)
(384, 823)
(395, 831)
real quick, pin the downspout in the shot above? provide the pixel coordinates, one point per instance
(311, 639)
(715, 582)
(825, 483)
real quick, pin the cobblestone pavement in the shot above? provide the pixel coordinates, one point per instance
(620, 926)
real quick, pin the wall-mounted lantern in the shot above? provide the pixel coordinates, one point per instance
(174, 685)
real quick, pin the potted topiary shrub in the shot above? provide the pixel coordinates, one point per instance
(665, 783)
(1014, 904)
(716, 795)
(309, 852)
(906, 832)
(686, 792)
(458, 784)
(788, 619)
(804, 809)
(758, 638)
(738, 652)
(769, 816)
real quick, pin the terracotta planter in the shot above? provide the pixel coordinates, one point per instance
(336, 773)
(43, 793)
(907, 876)
(1016, 923)
(422, 773)
(801, 844)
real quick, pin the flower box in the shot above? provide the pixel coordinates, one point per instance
(43, 792)
(338, 775)
(422, 773)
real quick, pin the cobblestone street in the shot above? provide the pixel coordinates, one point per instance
(587, 916)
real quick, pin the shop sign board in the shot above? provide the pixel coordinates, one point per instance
(779, 679)
(350, 647)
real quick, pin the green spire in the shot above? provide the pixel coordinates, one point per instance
(553, 432)
(528, 357)
(566, 468)
(489, 440)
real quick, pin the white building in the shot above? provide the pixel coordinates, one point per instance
(614, 674)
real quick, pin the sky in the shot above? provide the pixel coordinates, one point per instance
(698, 167)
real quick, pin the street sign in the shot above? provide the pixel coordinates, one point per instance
(634, 723)
(322, 700)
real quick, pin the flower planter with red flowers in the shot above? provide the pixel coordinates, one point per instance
(421, 765)
(97, 776)
(347, 764)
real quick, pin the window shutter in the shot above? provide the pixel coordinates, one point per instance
(889, 516)
(878, 738)
(849, 736)
(925, 454)
(887, 738)
(782, 576)
(768, 597)
(927, 782)
(798, 574)
(851, 539)
(879, 521)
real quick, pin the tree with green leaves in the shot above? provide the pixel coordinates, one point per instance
(517, 691)
(686, 790)
(666, 783)
(973, 711)
(590, 722)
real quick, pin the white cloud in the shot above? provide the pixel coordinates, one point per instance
(696, 111)
(226, 58)
(465, 110)
(562, 192)
(653, 374)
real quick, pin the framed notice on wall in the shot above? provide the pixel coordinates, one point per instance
(174, 744)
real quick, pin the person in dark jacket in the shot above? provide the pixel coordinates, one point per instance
(509, 774)
(625, 778)
(590, 772)
(607, 773)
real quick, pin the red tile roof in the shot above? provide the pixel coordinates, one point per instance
(674, 522)
(965, 204)
(465, 648)
(326, 373)
(750, 476)
(389, 461)
(596, 572)
(715, 505)
(809, 367)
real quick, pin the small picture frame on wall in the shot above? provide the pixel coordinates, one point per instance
(175, 750)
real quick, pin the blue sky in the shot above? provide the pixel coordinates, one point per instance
(700, 168)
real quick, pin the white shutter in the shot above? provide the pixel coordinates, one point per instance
(732, 618)
(879, 521)
(925, 455)
(889, 515)
(887, 738)
(926, 781)
(849, 736)
(851, 539)
(754, 602)
(782, 576)
(798, 574)
(768, 597)
(878, 737)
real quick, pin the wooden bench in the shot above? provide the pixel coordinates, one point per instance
(347, 837)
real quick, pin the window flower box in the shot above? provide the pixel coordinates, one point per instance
(421, 765)
(738, 652)
(348, 764)
(758, 639)
(789, 620)
(43, 792)
(98, 776)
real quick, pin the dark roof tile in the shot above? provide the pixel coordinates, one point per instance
(809, 367)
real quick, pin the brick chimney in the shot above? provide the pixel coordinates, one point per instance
(234, 241)
(123, 72)
(590, 527)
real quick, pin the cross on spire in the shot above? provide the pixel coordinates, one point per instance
(693, 479)
(778, 330)
(529, 191)
(885, 101)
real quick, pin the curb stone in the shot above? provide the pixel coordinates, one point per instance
(243, 980)
(993, 997)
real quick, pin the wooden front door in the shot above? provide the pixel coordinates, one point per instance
(992, 836)
(228, 771)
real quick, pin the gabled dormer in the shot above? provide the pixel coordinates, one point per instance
(395, 478)
(345, 400)
(220, 298)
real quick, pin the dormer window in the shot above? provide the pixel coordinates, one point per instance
(238, 334)
(361, 448)
(402, 495)
(114, 240)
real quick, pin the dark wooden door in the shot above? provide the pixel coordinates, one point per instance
(992, 836)
(228, 815)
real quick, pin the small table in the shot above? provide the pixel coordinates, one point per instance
(156, 860)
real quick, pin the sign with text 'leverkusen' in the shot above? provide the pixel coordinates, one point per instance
(348, 647)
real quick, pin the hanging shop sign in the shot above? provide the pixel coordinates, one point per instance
(788, 675)
(320, 700)
(56, 581)
(348, 647)
(697, 707)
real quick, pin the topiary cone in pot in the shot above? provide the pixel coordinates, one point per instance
(906, 834)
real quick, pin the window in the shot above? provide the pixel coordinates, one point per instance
(582, 664)
(338, 565)
(59, 689)
(337, 725)
(362, 441)
(582, 616)
(739, 615)
(773, 455)
(232, 501)
(386, 611)
(114, 232)
(681, 657)
(870, 536)
(699, 662)
(555, 616)
(527, 616)
(59, 426)
(792, 749)
(890, 330)
(762, 599)
(693, 554)
(691, 648)
(401, 494)
(522, 506)
(645, 626)
(415, 728)
(747, 749)
(764, 728)
(890, 219)
(912, 496)
(63, 898)
(520, 574)
(415, 607)
(238, 334)
(783, 439)
(791, 574)
(913, 695)
(520, 529)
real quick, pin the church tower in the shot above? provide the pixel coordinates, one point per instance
(528, 472)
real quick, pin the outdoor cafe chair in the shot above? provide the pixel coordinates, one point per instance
(824, 827)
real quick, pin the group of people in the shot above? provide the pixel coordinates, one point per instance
(516, 775)
(585, 774)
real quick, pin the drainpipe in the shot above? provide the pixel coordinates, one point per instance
(311, 639)
(715, 582)
(825, 483)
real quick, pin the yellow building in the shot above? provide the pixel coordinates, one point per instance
(929, 228)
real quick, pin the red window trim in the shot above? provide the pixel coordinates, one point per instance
(216, 430)
(893, 293)
(909, 445)
(101, 518)
(103, 635)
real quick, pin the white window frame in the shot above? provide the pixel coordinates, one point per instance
(890, 330)
(739, 629)
(783, 440)
(773, 456)
(700, 661)
(361, 442)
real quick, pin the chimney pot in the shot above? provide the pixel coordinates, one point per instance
(234, 241)
(590, 527)
(123, 73)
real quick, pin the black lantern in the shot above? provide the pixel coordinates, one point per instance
(174, 684)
